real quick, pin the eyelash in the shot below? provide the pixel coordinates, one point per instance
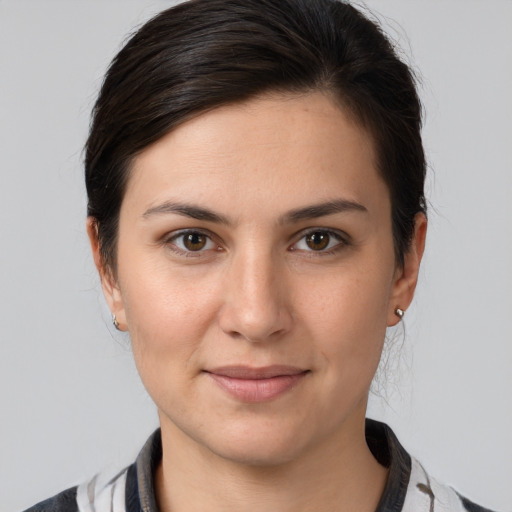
(170, 242)
(342, 241)
(341, 238)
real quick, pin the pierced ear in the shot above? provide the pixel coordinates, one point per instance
(108, 282)
(406, 277)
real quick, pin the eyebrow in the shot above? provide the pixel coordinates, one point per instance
(308, 212)
(322, 209)
(187, 210)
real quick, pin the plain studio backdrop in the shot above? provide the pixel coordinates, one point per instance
(71, 400)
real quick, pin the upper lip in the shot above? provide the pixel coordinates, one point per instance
(249, 372)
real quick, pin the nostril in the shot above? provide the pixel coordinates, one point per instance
(267, 326)
(255, 305)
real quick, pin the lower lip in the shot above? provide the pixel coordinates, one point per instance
(257, 390)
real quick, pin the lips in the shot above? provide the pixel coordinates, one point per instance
(254, 385)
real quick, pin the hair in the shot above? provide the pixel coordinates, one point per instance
(203, 54)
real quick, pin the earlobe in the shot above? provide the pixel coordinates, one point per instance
(406, 276)
(108, 282)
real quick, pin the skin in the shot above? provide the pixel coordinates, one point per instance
(256, 294)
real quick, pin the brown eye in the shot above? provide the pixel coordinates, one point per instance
(194, 241)
(191, 243)
(318, 240)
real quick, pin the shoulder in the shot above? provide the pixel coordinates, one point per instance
(62, 502)
(105, 492)
(129, 490)
(409, 487)
(424, 492)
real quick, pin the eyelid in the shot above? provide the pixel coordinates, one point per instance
(342, 238)
(169, 239)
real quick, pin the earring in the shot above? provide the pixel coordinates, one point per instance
(115, 322)
(399, 313)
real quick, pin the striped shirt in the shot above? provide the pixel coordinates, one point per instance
(408, 488)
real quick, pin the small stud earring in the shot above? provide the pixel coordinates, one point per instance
(399, 313)
(115, 322)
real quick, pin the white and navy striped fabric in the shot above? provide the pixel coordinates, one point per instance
(409, 488)
(103, 493)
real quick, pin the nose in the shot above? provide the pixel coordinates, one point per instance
(257, 305)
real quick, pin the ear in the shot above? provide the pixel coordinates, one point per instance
(108, 281)
(406, 276)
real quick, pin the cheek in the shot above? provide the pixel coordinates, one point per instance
(352, 301)
(167, 314)
(348, 317)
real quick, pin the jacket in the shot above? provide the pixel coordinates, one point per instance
(409, 487)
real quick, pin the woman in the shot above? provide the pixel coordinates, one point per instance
(256, 213)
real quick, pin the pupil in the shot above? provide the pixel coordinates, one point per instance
(318, 240)
(194, 241)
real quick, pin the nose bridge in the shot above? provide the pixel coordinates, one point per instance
(256, 305)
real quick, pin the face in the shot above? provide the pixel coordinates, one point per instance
(256, 276)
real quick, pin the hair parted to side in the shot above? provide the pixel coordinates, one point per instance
(202, 54)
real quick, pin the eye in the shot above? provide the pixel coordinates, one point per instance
(319, 240)
(192, 241)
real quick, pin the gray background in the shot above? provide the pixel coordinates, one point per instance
(71, 402)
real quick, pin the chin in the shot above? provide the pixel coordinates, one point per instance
(257, 452)
(262, 443)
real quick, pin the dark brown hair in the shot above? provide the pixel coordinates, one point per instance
(202, 54)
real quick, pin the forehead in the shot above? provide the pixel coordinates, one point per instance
(275, 151)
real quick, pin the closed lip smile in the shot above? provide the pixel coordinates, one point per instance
(256, 384)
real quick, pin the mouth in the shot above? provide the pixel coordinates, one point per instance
(253, 385)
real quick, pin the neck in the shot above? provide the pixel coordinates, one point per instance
(341, 474)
